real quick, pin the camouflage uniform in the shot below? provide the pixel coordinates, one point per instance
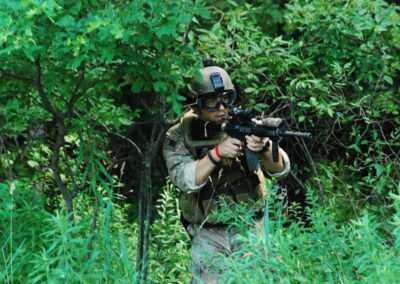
(229, 180)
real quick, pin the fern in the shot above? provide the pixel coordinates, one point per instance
(171, 259)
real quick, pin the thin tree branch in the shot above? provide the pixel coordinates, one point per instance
(17, 77)
(126, 139)
(157, 144)
(59, 143)
(142, 193)
(75, 93)
(45, 100)
(297, 180)
(310, 160)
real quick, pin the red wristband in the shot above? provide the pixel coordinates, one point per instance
(217, 152)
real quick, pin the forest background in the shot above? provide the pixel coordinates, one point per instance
(88, 89)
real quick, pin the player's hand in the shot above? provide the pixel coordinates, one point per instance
(255, 143)
(231, 148)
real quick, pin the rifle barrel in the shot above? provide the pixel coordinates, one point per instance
(298, 134)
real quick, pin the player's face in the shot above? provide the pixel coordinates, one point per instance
(218, 115)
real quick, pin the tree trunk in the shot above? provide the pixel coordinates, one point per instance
(144, 218)
(142, 193)
(56, 170)
(149, 198)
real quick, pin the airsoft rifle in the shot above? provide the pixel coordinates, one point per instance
(244, 122)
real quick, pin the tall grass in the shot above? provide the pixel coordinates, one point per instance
(322, 252)
(42, 247)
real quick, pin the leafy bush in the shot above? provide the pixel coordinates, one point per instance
(68, 66)
(286, 251)
(332, 72)
(42, 247)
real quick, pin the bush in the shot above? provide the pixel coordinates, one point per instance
(332, 72)
(39, 246)
(286, 251)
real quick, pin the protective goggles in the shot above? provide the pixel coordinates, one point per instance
(213, 101)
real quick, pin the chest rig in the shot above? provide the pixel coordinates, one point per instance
(230, 180)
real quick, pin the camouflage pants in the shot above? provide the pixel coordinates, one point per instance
(209, 244)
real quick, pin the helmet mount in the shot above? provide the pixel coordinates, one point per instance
(217, 81)
(212, 88)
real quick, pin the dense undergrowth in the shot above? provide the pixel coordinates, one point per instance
(82, 83)
(285, 249)
(323, 251)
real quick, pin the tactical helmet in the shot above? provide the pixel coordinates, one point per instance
(214, 86)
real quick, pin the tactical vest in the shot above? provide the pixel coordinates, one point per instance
(229, 180)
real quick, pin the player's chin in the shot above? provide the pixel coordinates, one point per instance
(219, 118)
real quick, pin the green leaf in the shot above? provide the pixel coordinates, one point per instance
(33, 164)
(160, 86)
(95, 24)
(125, 121)
(379, 169)
(137, 86)
(388, 79)
(330, 112)
(117, 31)
(313, 101)
(166, 29)
(356, 148)
(67, 22)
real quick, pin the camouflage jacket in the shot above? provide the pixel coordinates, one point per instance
(181, 164)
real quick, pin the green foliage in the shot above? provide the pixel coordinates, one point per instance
(170, 257)
(99, 42)
(41, 247)
(64, 66)
(326, 251)
(330, 67)
(331, 72)
(21, 208)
